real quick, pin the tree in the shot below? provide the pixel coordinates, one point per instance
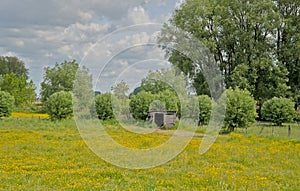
(59, 105)
(263, 79)
(9, 65)
(103, 106)
(120, 90)
(236, 32)
(205, 104)
(278, 110)
(6, 104)
(19, 88)
(152, 83)
(165, 79)
(59, 78)
(120, 101)
(240, 109)
(169, 99)
(140, 104)
(83, 94)
(288, 41)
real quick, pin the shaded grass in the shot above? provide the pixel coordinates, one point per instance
(45, 155)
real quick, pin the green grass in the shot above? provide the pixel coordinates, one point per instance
(44, 155)
(264, 129)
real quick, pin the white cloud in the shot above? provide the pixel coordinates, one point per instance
(45, 32)
(138, 15)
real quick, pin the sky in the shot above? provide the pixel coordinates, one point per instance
(115, 39)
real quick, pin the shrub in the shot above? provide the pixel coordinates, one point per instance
(169, 100)
(278, 110)
(104, 106)
(59, 105)
(240, 109)
(204, 108)
(139, 105)
(6, 104)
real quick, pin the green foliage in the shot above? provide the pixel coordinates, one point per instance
(288, 40)
(169, 100)
(278, 110)
(120, 90)
(121, 108)
(19, 88)
(263, 79)
(205, 104)
(152, 83)
(255, 43)
(6, 104)
(83, 94)
(140, 103)
(59, 105)
(103, 106)
(165, 79)
(240, 109)
(59, 78)
(144, 102)
(13, 65)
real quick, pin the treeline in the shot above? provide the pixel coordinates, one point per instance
(255, 44)
(67, 85)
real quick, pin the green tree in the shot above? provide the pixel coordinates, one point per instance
(140, 104)
(278, 110)
(165, 79)
(263, 79)
(59, 78)
(120, 90)
(120, 101)
(13, 65)
(205, 105)
(6, 104)
(83, 94)
(169, 99)
(240, 109)
(22, 90)
(103, 106)
(288, 41)
(236, 32)
(152, 83)
(59, 105)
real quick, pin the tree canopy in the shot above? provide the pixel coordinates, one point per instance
(22, 90)
(59, 78)
(13, 65)
(255, 43)
(6, 104)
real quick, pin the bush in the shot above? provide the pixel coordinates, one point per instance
(139, 105)
(240, 109)
(169, 99)
(278, 110)
(59, 105)
(204, 108)
(104, 106)
(6, 104)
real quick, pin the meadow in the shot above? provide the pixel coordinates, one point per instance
(38, 154)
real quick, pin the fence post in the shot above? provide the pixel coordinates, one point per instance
(272, 130)
(261, 130)
(289, 131)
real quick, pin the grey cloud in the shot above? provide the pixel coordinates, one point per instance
(43, 32)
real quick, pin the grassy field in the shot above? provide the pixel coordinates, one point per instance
(44, 155)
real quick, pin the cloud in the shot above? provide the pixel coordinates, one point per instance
(138, 15)
(45, 32)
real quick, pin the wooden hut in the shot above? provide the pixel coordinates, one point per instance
(162, 118)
